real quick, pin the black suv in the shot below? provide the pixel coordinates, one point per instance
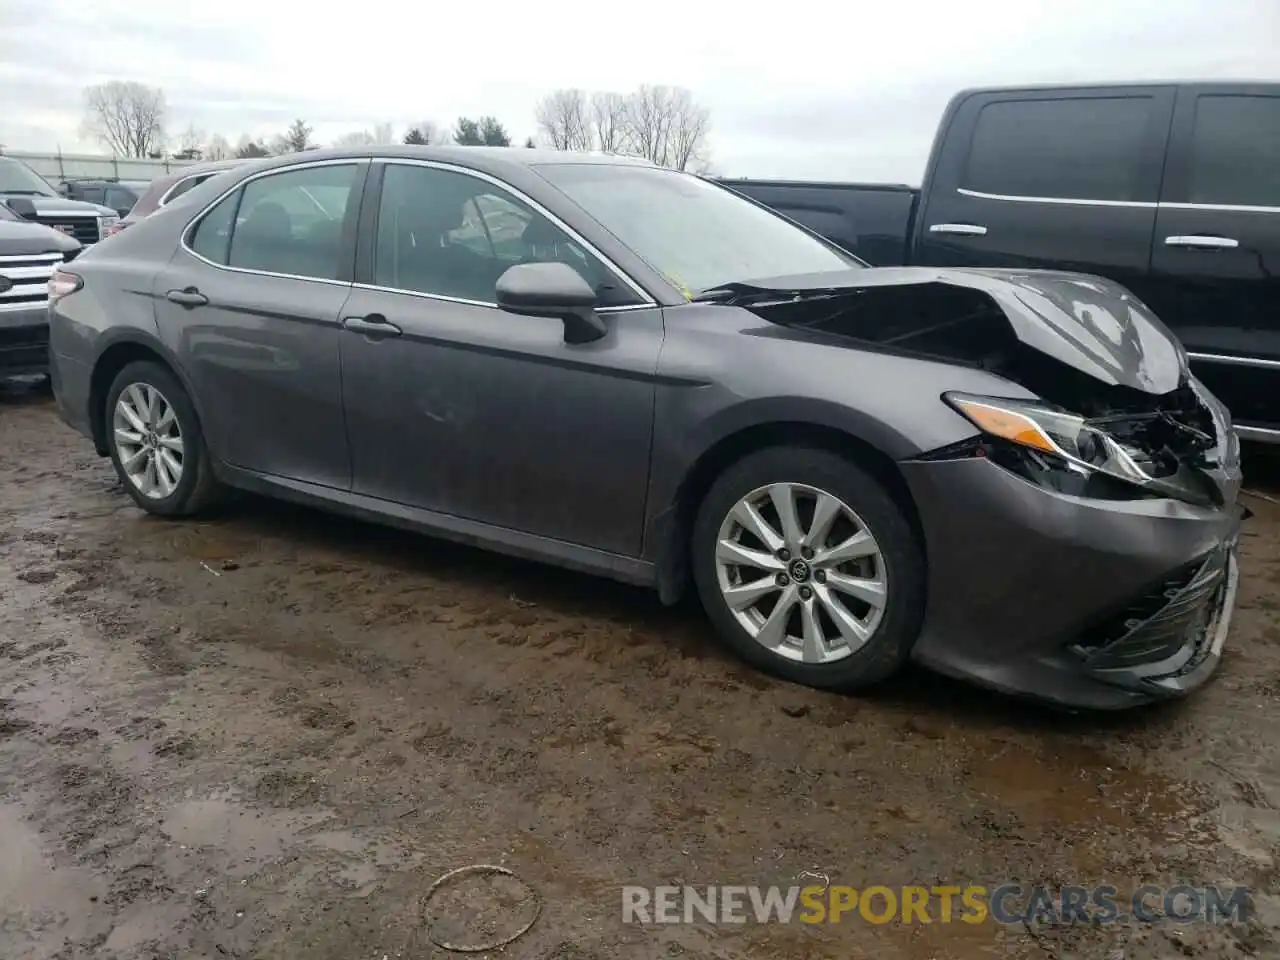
(119, 195)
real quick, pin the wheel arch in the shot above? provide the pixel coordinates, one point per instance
(672, 527)
(114, 356)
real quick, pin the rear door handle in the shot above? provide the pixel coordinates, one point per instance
(960, 229)
(1201, 242)
(373, 325)
(190, 297)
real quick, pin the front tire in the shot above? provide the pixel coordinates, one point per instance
(809, 568)
(156, 444)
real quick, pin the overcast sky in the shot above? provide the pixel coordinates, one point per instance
(804, 89)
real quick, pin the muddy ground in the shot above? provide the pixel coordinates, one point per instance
(265, 735)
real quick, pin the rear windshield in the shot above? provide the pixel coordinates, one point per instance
(695, 233)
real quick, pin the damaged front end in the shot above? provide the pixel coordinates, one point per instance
(1118, 416)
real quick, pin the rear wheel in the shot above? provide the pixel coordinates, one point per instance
(156, 444)
(809, 568)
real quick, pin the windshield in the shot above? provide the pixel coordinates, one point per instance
(694, 233)
(17, 178)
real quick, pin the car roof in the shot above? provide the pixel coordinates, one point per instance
(493, 160)
(1117, 85)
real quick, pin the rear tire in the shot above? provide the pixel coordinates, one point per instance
(155, 442)
(834, 600)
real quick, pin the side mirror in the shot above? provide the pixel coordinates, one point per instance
(23, 207)
(552, 290)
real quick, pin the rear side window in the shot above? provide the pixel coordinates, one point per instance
(182, 186)
(1087, 148)
(212, 236)
(1235, 151)
(291, 222)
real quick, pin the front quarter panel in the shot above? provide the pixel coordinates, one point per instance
(723, 370)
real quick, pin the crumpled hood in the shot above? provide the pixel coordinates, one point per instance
(1087, 322)
(18, 238)
(55, 206)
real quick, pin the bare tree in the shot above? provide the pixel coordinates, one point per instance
(356, 138)
(609, 121)
(190, 144)
(218, 148)
(666, 126)
(384, 133)
(564, 120)
(127, 117)
(424, 133)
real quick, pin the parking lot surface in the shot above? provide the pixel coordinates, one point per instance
(267, 733)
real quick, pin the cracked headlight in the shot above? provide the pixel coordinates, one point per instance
(1055, 440)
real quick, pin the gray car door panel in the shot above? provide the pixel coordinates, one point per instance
(478, 413)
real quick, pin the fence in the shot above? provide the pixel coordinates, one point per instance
(56, 167)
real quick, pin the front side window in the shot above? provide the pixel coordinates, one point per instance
(695, 233)
(1085, 148)
(449, 234)
(291, 222)
(1235, 151)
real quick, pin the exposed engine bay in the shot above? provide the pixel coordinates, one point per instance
(1119, 404)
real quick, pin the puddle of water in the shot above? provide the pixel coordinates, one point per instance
(1080, 788)
(246, 837)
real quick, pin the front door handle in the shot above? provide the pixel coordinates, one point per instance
(190, 297)
(373, 325)
(1202, 242)
(960, 229)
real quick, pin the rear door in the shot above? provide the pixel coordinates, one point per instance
(1216, 256)
(1061, 179)
(250, 303)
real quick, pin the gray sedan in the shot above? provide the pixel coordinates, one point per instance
(1009, 476)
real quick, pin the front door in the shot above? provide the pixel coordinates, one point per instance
(1216, 252)
(461, 408)
(251, 306)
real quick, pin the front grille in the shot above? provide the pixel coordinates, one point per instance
(84, 229)
(1168, 625)
(24, 280)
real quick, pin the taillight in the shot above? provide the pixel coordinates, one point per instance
(63, 283)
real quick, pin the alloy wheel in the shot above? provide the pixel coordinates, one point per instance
(148, 440)
(801, 573)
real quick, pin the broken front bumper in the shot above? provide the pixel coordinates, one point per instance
(1087, 603)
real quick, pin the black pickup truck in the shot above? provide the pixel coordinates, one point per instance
(1171, 189)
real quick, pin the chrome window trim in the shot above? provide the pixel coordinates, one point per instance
(1062, 201)
(175, 185)
(198, 218)
(1134, 204)
(183, 240)
(1258, 434)
(636, 288)
(1235, 361)
(489, 304)
(1224, 207)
